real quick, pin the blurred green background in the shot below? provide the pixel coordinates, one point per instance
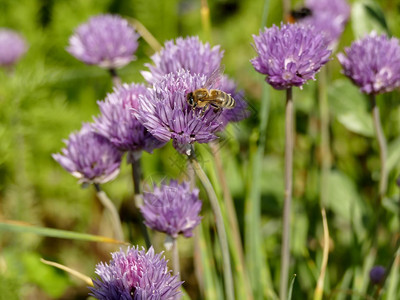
(50, 93)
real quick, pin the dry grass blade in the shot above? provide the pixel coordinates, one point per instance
(73, 272)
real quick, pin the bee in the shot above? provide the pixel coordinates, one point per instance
(299, 14)
(204, 97)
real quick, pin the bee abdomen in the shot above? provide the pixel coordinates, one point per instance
(228, 102)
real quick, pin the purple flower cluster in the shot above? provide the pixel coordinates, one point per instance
(200, 58)
(105, 40)
(89, 157)
(373, 63)
(118, 123)
(167, 115)
(328, 16)
(135, 274)
(172, 209)
(290, 55)
(12, 47)
(189, 54)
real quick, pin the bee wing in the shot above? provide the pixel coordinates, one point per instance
(214, 79)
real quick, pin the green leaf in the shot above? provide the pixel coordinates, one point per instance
(15, 226)
(345, 201)
(392, 282)
(350, 107)
(291, 287)
(393, 157)
(367, 16)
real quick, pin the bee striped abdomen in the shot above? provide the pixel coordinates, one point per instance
(225, 100)
(229, 101)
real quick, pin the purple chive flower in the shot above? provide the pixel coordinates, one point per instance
(377, 274)
(197, 58)
(118, 123)
(186, 53)
(12, 47)
(328, 16)
(105, 40)
(373, 63)
(89, 157)
(172, 209)
(290, 55)
(135, 274)
(167, 115)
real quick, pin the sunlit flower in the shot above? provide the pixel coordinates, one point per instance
(373, 63)
(172, 208)
(186, 53)
(12, 47)
(105, 40)
(167, 115)
(135, 274)
(89, 157)
(329, 17)
(290, 55)
(118, 123)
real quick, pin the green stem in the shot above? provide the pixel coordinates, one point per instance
(205, 19)
(325, 143)
(256, 256)
(230, 294)
(134, 159)
(325, 169)
(175, 258)
(109, 205)
(382, 148)
(285, 250)
(232, 218)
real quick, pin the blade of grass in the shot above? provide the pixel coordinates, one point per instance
(210, 277)
(291, 287)
(16, 226)
(145, 34)
(240, 271)
(393, 282)
(255, 256)
(344, 285)
(320, 283)
(219, 222)
(73, 272)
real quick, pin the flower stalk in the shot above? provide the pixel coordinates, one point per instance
(109, 206)
(382, 147)
(138, 200)
(285, 250)
(325, 143)
(175, 258)
(228, 279)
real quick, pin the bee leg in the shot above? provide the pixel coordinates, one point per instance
(203, 110)
(217, 109)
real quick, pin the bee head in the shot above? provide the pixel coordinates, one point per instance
(190, 99)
